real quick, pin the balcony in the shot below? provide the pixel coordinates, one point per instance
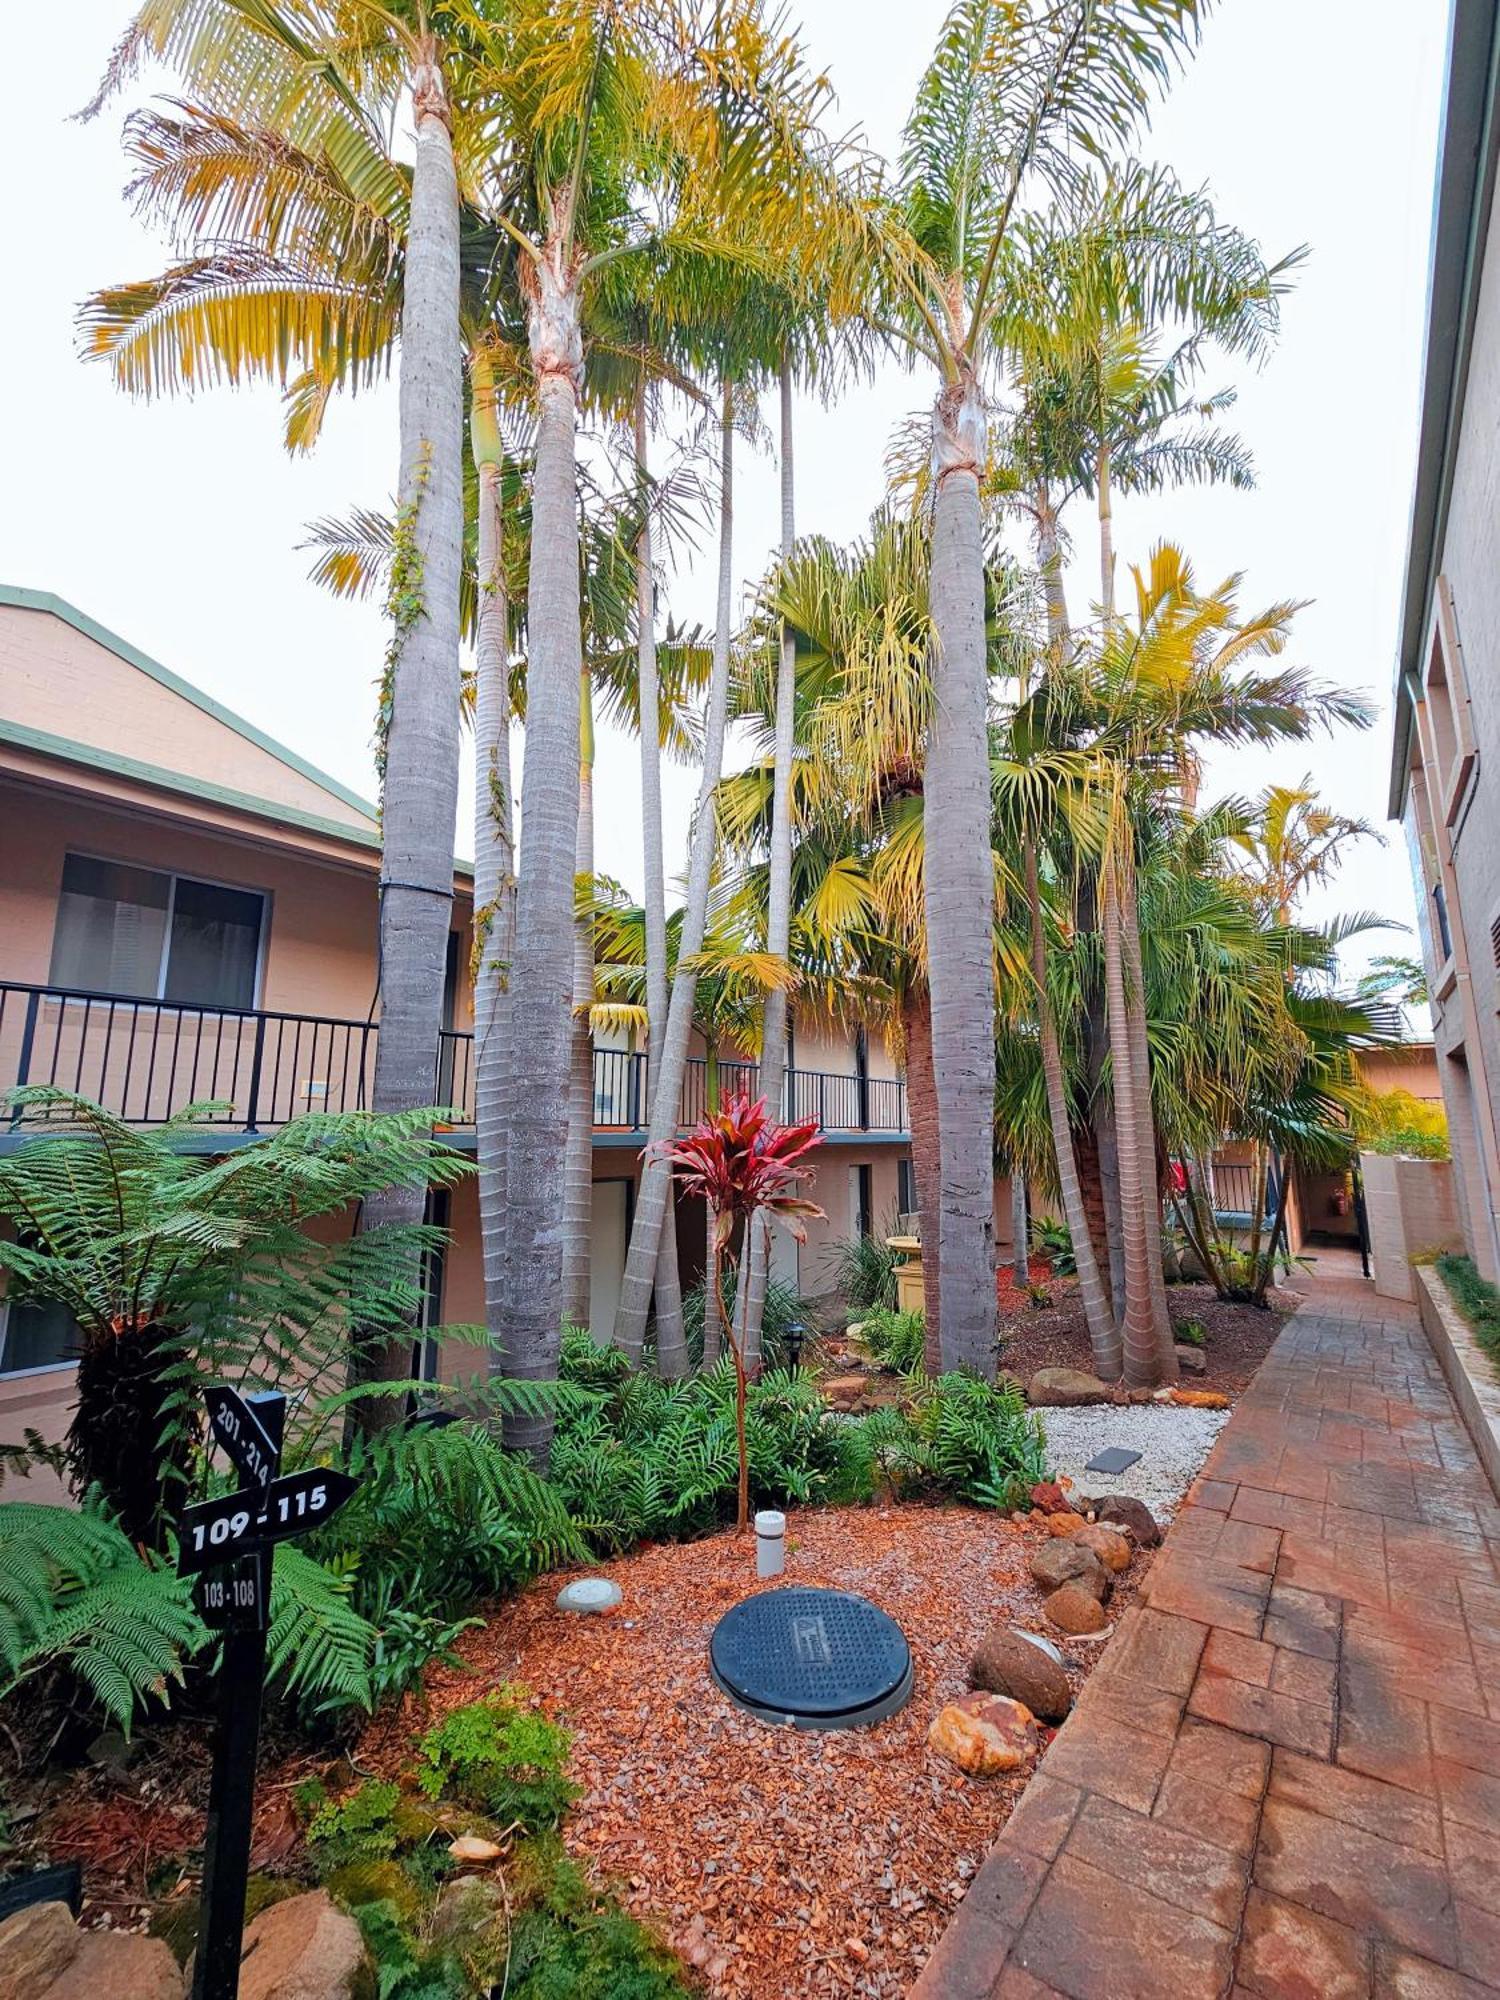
(144, 1059)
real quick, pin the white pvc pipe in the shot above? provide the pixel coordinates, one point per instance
(770, 1542)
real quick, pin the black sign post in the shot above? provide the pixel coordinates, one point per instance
(229, 1544)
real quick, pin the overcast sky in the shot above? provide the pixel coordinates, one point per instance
(178, 524)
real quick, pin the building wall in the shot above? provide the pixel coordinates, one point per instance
(59, 680)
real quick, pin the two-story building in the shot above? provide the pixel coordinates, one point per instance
(1445, 773)
(188, 912)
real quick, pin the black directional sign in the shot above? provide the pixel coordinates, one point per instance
(235, 1596)
(243, 1432)
(237, 1524)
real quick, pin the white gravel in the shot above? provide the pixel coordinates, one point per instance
(1173, 1444)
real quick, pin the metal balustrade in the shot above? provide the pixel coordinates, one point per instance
(145, 1059)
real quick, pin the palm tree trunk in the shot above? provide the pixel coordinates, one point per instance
(1050, 562)
(494, 853)
(1101, 1167)
(1140, 1054)
(755, 1265)
(420, 793)
(670, 1064)
(1104, 1335)
(578, 1172)
(959, 889)
(1138, 1322)
(671, 1339)
(921, 1109)
(1106, 536)
(1020, 1227)
(542, 976)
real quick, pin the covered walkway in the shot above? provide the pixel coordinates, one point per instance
(1283, 1779)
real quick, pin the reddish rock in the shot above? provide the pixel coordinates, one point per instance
(1119, 1510)
(1056, 1563)
(1075, 1610)
(114, 1965)
(1005, 1662)
(1066, 1523)
(36, 1944)
(1199, 1399)
(1107, 1543)
(984, 1734)
(302, 1949)
(1065, 1389)
(844, 1391)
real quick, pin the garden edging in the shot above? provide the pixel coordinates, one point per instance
(1466, 1368)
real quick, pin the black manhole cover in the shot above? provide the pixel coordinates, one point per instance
(822, 1659)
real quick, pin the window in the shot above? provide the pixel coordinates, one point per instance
(144, 933)
(36, 1336)
(906, 1188)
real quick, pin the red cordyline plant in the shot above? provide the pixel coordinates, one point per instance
(744, 1165)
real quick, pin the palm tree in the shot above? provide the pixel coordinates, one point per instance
(1013, 94)
(1294, 842)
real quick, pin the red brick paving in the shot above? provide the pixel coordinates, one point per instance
(1282, 1781)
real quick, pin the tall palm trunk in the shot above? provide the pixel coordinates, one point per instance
(671, 1337)
(652, 1211)
(1140, 1062)
(1050, 563)
(1104, 1335)
(921, 1108)
(542, 976)
(494, 852)
(420, 793)
(1020, 1227)
(1106, 534)
(578, 1170)
(755, 1264)
(1138, 1322)
(959, 888)
(1102, 1178)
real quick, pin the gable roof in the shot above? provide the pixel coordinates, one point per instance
(46, 601)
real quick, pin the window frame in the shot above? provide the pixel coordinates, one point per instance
(41, 1367)
(173, 877)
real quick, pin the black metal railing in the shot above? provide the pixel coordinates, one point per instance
(145, 1059)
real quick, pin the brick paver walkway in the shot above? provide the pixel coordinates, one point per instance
(1283, 1779)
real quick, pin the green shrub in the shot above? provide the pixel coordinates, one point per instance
(502, 1758)
(571, 1941)
(1191, 1333)
(1397, 1121)
(358, 1828)
(896, 1339)
(785, 1306)
(865, 1274)
(1476, 1298)
(1051, 1238)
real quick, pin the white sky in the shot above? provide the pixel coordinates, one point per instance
(177, 524)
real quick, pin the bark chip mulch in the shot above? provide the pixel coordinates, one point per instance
(782, 1863)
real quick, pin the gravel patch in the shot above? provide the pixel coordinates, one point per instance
(1173, 1444)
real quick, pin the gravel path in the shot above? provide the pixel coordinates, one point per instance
(1173, 1445)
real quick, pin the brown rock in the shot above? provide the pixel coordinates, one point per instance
(1074, 1610)
(1133, 1516)
(1006, 1663)
(984, 1734)
(36, 1944)
(1065, 1389)
(843, 1391)
(118, 1966)
(303, 1949)
(1055, 1563)
(1191, 1360)
(1108, 1544)
(1064, 1524)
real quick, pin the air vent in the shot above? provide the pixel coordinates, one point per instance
(1495, 941)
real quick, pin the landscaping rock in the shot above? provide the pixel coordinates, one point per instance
(1191, 1360)
(1065, 1524)
(1075, 1610)
(1121, 1510)
(36, 1944)
(1108, 1544)
(471, 1914)
(1065, 1389)
(844, 1391)
(1198, 1399)
(984, 1734)
(115, 1965)
(303, 1949)
(1056, 1563)
(1006, 1663)
(469, 1849)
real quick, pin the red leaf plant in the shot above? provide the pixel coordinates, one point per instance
(744, 1165)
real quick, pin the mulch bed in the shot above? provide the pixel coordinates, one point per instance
(1055, 1335)
(779, 1862)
